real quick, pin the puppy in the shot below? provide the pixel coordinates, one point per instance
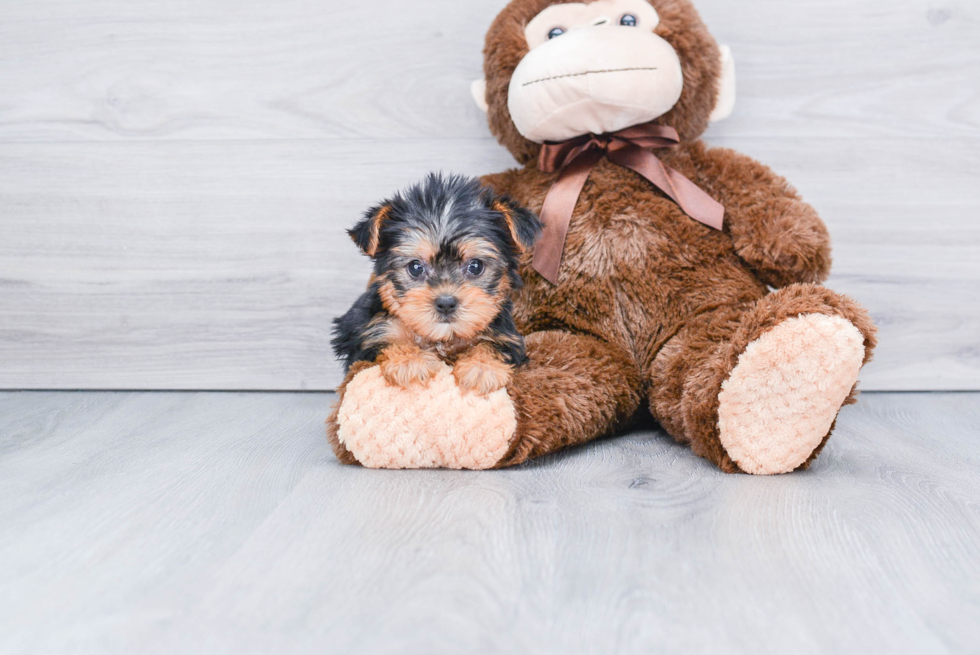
(445, 258)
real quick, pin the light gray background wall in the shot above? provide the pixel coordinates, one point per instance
(175, 176)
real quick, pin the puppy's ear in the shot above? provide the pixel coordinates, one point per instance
(523, 225)
(367, 233)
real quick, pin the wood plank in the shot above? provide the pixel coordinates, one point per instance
(187, 265)
(223, 69)
(199, 265)
(220, 523)
(191, 265)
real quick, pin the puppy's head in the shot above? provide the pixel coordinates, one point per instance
(445, 254)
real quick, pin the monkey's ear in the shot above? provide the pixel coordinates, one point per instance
(725, 104)
(367, 233)
(479, 90)
(523, 225)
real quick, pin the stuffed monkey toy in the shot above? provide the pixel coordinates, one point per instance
(671, 278)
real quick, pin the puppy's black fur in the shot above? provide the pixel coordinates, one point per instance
(349, 330)
(446, 237)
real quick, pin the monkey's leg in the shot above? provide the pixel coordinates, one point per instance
(756, 388)
(571, 390)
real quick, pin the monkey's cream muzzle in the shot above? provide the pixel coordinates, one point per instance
(594, 80)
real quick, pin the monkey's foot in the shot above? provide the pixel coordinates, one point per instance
(438, 426)
(784, 394)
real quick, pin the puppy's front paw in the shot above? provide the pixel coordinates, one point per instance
(481, 374)
(408, 366)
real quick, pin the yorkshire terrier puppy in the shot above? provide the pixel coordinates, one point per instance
(445, 256)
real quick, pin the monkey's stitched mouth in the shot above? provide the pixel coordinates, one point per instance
(609, 70)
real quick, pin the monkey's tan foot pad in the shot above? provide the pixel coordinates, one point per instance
(786, 390)
(437, 426)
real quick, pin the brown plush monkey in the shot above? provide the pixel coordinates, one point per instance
(711, 318)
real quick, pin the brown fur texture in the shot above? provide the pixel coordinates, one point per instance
(687, 374)
(651, 304)
(573, 389)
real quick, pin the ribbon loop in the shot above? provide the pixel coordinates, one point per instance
(631, 148)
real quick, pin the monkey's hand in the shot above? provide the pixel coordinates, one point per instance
(784, 242)
(408, 366)
(481, 371)
(778, 235)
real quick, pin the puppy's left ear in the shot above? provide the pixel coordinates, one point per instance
(523, 225)
(367, 233)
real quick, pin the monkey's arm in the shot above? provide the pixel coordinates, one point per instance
(572, 389)
(781, 237)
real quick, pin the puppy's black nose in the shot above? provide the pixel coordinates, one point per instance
(446, 304)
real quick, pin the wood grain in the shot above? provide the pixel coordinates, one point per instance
(175, 177)
(198, 265)
(225, 69)
(193, 264)
(220, 523)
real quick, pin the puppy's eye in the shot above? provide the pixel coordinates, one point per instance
(629, 20)
(556, 31)
(475, 267)
(416, 268)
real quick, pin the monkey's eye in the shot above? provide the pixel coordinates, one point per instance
(416, 268)
(475, 267)
(629, 20)
(556, 31)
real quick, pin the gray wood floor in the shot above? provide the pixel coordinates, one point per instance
(175, 177)
(220, 523)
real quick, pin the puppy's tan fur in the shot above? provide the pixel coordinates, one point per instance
(406, 365)
(481, 371)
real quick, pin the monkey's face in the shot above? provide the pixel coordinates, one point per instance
(557, 70)
(593, 68)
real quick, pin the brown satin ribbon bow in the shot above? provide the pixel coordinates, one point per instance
(631, 148)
